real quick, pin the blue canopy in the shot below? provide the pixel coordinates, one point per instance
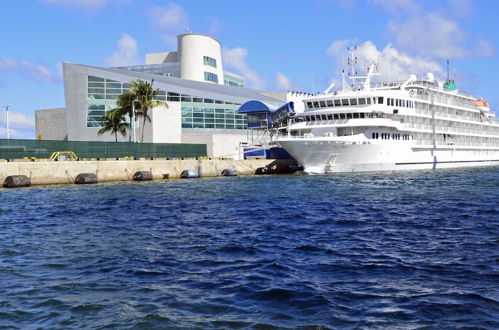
(253, 106)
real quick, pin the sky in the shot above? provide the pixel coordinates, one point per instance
(277, 45)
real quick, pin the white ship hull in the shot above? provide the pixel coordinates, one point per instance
(329, 156)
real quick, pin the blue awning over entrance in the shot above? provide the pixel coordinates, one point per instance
(253, 106)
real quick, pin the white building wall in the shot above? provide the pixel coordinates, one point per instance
(159, 58)
(219, 144)
(51, 124)
(165, 125)
(191, 50)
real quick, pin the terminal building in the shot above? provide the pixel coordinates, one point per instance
(202, 100)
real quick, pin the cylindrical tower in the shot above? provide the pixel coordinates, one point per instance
(200, 58)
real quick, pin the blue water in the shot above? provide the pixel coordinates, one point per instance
(391, 250)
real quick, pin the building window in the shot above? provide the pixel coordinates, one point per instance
(232, 83)
(210, 61)
(209, 76)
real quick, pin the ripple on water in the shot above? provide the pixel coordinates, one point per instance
(403, 250)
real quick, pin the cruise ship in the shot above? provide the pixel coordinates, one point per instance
(386, 126)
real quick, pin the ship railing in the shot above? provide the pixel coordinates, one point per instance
(435, 86)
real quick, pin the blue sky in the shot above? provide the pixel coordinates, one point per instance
(275, 45)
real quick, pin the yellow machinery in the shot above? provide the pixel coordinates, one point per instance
(63, 156)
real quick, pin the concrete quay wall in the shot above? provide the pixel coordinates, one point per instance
(123, 170)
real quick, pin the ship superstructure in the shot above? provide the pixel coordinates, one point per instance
(413, 124)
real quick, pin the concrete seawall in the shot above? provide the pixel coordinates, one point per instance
(123, 170)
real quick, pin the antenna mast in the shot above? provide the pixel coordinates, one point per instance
(447, 70)
(352, 60)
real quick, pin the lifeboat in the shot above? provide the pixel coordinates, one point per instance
(481, 103)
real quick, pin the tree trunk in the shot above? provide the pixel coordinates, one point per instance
(142, 133)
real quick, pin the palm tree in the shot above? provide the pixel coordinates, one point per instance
(125, 107)
(145, 95)
(114, 121)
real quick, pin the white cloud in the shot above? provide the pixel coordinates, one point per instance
(83, 4)
(17, 120)
(338, 47)
(12, 133)
(236, 58)
(434, 33)
(342, 3)
(215, 26)
(391, 63)
(37, 72)
(396, 7)
(282, 81)
(438, 36)
(126, 54)
(169, 20)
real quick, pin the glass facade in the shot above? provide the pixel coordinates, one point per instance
(210, 76)
(208, 113)
(210, 61)
(197, 112)
(232, 81)
(101, 97)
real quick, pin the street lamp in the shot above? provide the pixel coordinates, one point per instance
(133, 121)
(6, 106)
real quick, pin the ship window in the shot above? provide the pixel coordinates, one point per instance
(362, 101)
(375, 135)
(349, 116)
(403, 103)
(353, 101)
(324, 117)
(316, 104)
(356, 115)
(380, 100)
(323, 104)
(329, 103)
(337, 103)
(362, 115)
(368, 100)
(342, 116)
(344, 102)
(329, 117)
(309, 105)
(335, 116)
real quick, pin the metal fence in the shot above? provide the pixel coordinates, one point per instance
(18, 149)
